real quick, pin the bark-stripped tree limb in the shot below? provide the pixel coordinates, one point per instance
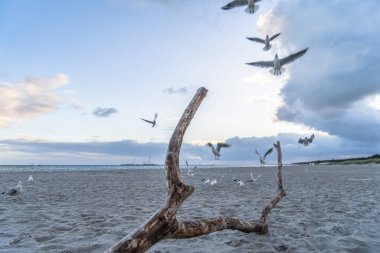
(164, 224)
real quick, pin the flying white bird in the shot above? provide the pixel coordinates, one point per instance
(30, 179)
(15, 191)
(213, 182)
(190, 172)
(206, 181)
(266, 41)
(277, 63)
(305, 141)
(151, 122)
(216, 151)
(252, 6)
(239, 181)
(262, 159)
(254, 179)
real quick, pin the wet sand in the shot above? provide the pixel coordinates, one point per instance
(327, 209)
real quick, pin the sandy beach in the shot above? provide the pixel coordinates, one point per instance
(327, 209)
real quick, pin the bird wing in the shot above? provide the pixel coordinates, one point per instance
(155, 116)
(12, 191)
(147, 120)
(274, 36)
(262, 64)
(187, 164)
(293, 57)
(210, 145)
(268, 152)
(222, 145)
(257, 40)
(257, 153)
(311, 138)
(235, 3)
(253, 179)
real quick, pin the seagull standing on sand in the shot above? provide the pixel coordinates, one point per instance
(252, 7)
(262, 159)
(216, 151)
(30, 179)
(306, 140)
(266, 42)
(151, 122)
(277, 63)
(15, 191)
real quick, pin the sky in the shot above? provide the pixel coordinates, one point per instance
(76, 76)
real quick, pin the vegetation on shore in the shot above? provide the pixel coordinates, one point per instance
(374, 159)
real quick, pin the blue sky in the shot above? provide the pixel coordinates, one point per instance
(76, 76)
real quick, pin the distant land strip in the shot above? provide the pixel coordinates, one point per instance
(374, 159)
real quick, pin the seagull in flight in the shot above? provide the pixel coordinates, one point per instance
(151, 122)
(15, 191)
(216, 151)
(266, 41)
(213, 182)
(206, 181)
(262, 159)
(241, 183)
(254, 179)
(306, 141)
(252, 7)
(190, 172)
(277, 63)
(210, 181)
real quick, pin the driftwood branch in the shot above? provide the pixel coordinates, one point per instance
(164, 224)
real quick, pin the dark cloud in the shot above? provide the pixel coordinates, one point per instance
(171, 91)
(328, 90)
(241, 151)
(104, 112)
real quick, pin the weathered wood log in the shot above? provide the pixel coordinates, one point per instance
(164, 224)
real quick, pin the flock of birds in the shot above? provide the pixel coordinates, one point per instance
(276, 69)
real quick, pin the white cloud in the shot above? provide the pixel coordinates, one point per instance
(23, 99)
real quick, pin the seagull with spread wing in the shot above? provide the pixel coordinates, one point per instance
(265, 41)
(216, 151)
(262, 159)
(306, 141)
(151, 122)
(254, 179)
(277, 63)
(252, 6)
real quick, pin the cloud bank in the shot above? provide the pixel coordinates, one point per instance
(332, 89)
(242, 151)
(23, 99)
